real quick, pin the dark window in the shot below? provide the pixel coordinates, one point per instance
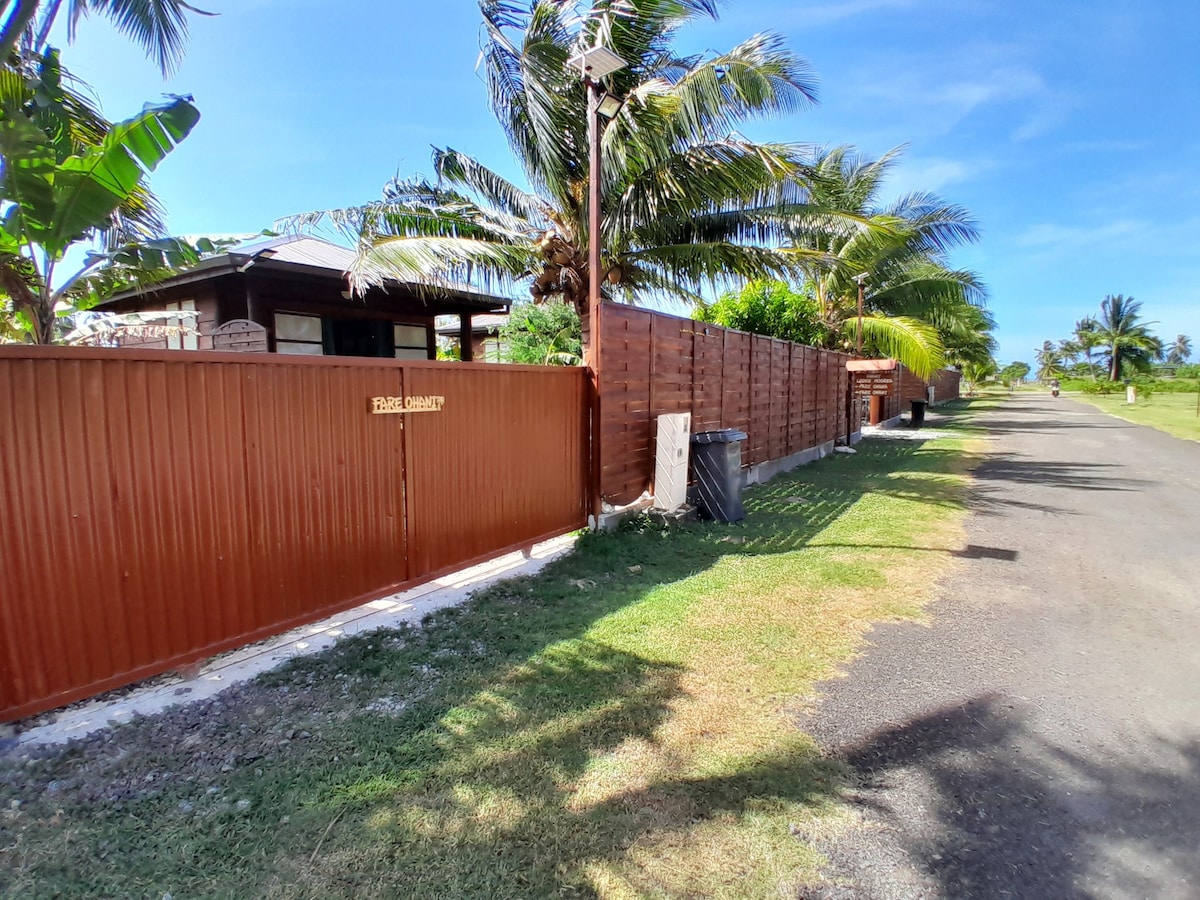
(358, 337)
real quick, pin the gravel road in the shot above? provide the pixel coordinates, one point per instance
(1041, 737)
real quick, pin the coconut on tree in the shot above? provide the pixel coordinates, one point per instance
(689, 203)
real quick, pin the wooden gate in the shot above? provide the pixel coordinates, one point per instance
(157, 507)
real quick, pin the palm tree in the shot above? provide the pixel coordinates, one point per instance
(1128, 340)
(975, 372)
(158, 26)
(1087, 340)
(35, 90)
(920, 308)
(1050, 362)
(689, 202)
(1071, 350)
(969, 340)
(1180, 351)
(1015, 371)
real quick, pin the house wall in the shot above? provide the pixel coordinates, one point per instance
(235, 297)
(486, 347)
(203, 302)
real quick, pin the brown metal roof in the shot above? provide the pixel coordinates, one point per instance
(305, 251)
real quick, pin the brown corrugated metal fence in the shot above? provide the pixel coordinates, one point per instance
(159, 507)
(786, 397)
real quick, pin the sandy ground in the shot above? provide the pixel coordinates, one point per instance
(1041, 737)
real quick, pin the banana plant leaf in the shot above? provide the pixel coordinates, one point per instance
(55, 204)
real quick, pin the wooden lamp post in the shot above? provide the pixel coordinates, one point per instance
(862, 280)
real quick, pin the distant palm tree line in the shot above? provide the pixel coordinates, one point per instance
(1116, 343)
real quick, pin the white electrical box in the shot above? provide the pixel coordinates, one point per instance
(671, 460)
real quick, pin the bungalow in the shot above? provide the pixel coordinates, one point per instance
(291, 295)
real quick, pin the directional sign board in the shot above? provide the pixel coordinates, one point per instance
(874, 384)
(873, 377)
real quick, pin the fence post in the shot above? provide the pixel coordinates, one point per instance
(597, 322)
(724, 343)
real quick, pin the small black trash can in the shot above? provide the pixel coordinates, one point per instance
(918, 414)
(717, 464)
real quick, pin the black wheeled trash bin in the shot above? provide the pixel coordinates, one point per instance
(717, 461)
(918, 414)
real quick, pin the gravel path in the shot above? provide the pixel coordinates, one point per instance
(1041, 738)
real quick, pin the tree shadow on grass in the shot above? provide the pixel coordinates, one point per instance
(484, 802)
(989, 807)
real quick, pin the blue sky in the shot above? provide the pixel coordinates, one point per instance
(1068, 127)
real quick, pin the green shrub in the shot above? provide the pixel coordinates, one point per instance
(1178, 385)
(543, 334)
(771, 308)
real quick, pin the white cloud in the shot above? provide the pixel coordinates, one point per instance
(1049, 236)
(800, 15)
(933, 173)
(822, 13)
(932, 101)
(933, 95)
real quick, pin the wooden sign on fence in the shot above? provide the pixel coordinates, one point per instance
(873, 377)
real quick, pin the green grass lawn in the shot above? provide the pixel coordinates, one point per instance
(1172, 413)
(623, 724)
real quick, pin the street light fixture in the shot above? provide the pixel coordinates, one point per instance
(594, 64)
(609, 105)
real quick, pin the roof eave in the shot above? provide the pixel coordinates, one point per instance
(236, 263)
